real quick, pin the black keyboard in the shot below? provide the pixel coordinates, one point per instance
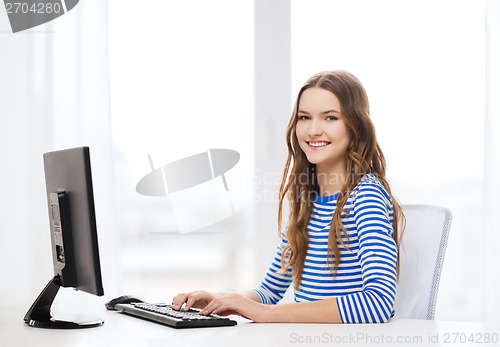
(165, 314)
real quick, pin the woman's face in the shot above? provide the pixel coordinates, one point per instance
(321, 131)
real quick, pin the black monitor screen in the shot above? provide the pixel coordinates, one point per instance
(68, 172)
(73, 231)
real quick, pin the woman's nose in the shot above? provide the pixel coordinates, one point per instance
(315, 128)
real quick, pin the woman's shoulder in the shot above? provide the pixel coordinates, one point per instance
(369, 178)
(369, 186)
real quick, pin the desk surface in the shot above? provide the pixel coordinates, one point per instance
(122, 330)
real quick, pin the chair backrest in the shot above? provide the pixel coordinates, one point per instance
(421, 259)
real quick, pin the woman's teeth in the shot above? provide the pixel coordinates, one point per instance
(318, 144)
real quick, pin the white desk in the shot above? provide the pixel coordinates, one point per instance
(121, 330)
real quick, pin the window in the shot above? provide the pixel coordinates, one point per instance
(181, 83)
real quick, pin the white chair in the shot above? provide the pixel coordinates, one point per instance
(421, 259)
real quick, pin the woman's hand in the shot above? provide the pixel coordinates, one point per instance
(196, 299)
(239, 304)
(224, 304)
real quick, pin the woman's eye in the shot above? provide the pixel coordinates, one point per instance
(303, 117)
(331, 118)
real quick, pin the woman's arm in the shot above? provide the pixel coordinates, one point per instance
(377, 255)
(321, 311)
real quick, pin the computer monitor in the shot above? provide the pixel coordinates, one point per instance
(73, 231)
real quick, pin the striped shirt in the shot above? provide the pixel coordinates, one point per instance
(365, 282)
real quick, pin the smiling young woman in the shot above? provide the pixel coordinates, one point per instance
(341, 243)
(324, 137)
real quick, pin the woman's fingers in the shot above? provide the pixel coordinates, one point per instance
(197, 299)
(179, 300)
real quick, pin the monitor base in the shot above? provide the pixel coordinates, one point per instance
(39, 315)
(77, 322)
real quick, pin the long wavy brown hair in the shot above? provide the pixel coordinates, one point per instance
(299, 182)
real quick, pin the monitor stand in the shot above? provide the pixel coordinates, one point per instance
(39, 315)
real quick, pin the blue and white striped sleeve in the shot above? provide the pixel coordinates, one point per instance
(377, 255)
(275, 284)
